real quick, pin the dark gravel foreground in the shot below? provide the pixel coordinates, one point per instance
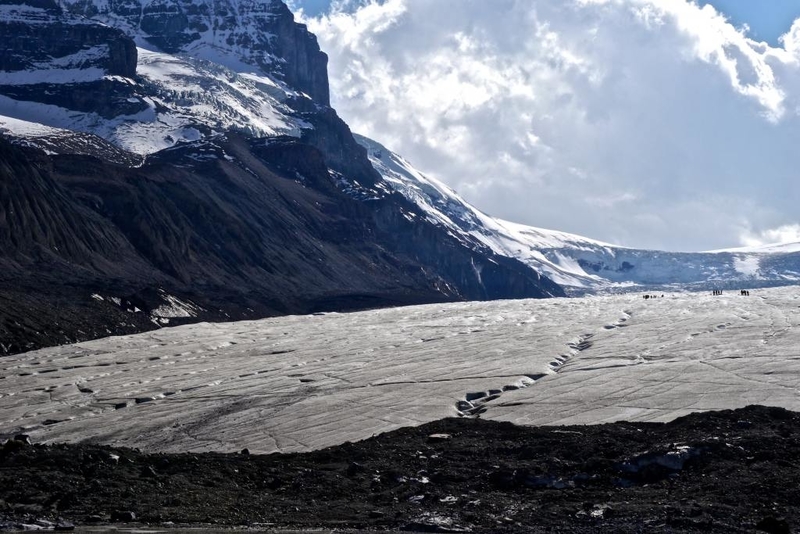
(728, 471)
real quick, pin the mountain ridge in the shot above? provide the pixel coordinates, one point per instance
(578, 263)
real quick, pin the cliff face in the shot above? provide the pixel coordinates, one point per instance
(306, 67)
(37, 36)
(258, 33)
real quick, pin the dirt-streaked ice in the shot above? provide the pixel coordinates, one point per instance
(304, 382)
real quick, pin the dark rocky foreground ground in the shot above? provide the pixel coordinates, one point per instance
(729, 471)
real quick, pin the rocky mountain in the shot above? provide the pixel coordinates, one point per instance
(172, 161)
(239, 34)
(580, 264)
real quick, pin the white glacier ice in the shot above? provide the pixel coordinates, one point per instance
(304, 382)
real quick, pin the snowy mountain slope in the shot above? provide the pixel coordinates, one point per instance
(306, 382)
(578, 262)
(187, 98)
(264, 76)
(172, 100)
(445, 207)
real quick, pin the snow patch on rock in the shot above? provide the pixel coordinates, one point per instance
(174, 308)
(747, 265)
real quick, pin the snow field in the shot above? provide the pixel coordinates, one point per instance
(305, 382)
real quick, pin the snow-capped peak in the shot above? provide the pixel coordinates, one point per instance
(202, 68)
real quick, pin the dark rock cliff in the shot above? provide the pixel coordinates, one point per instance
(37, 35)
(108, 98)
(306, 66)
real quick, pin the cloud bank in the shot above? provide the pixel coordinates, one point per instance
(649, 123)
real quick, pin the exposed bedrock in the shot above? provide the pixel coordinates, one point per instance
(39, 34)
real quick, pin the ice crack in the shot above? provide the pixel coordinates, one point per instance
(474, 403)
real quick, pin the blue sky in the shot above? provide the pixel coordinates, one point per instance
(767, 19)
(313, 8)
(645, 123)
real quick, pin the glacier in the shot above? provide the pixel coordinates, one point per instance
(300, 383)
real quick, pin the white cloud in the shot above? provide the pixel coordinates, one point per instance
(788, 233)
(655, 123)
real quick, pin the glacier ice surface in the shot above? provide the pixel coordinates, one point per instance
(305, 382)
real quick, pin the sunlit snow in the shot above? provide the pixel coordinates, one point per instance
(28, 129)
(767, 249)
(747, 265)
(304, 382)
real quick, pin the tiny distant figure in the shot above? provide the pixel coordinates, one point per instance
(646, 297)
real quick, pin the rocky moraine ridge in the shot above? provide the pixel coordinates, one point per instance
(200, 176)
(724, 472)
